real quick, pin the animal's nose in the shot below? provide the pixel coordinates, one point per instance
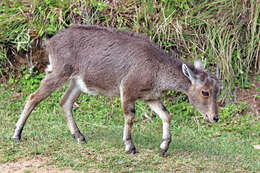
(215, 118)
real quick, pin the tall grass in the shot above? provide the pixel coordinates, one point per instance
(221, 32)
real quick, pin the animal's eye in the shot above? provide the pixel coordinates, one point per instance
(205, 93)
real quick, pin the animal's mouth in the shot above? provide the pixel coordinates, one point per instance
(207, 119)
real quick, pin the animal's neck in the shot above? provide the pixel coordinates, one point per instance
(171, 77)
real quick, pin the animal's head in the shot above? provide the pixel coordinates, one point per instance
(203, 91)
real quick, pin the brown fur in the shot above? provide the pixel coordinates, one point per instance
(119, 63)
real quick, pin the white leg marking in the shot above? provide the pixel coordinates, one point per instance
(49, 68)
(69, 97)
(129, 146)
(159, 109)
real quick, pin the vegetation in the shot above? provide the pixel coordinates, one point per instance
(223, 33)
(227, 146)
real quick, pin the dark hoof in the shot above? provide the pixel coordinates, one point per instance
(162, 152)
(80, 138)
(17, 136)
(16, 139)
(132, 151)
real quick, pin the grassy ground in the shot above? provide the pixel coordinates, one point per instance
(227, 146)
(222, 33)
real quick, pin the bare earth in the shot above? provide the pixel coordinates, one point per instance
(250, 97)
(37, 164)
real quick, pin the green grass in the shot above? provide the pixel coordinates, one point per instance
(222, 32)
(196, 146)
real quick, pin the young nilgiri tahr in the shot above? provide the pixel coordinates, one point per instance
(111, 62)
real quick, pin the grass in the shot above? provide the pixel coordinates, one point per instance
(227, 146)
(222, 33)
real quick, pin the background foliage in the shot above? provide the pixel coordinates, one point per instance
(220, 32)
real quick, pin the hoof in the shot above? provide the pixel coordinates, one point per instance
(16, 139)
(132, 150)
(162, 152)
(17, 135)
(80, 138)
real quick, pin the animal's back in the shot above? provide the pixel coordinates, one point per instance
(87, 44)
(103, 57)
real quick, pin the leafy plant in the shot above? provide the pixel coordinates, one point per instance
(29, 81)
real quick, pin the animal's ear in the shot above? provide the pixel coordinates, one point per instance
(188, 73)
(198, 64)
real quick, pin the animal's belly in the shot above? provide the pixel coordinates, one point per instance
(94, 90)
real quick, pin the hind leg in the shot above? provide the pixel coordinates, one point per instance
(66, 103)
(128, 105)
(49, 84)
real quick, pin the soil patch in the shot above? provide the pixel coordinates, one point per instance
(37, 164)
(251, 96)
